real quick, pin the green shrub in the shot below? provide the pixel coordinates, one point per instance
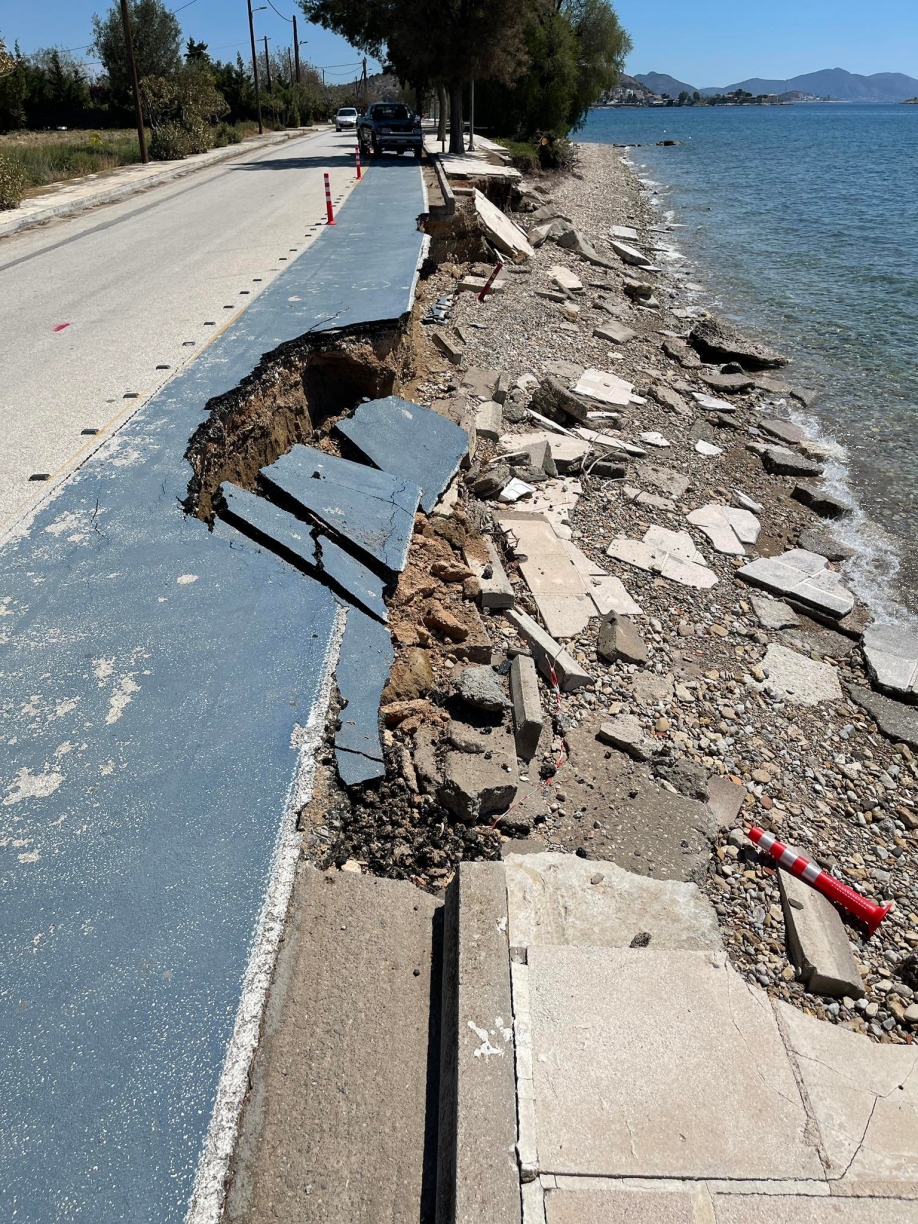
(168, 142)
(226, 134)
(12, 183)
(555, 153)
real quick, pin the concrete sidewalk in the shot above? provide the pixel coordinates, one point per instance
(653, 1084)
(76, 195)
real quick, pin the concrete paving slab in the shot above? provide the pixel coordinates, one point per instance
(795, 678)
(898, 722)
(605, 388)
(688, 1074)
(548, 654)
(372, 510)
(614, 1205)
(892, 659)
(802, 576)
(563, 899)
(527, 706)
(564, 278)
(864, 1098)
(504, 235)
(496, 591)
(729, 529)
(750, 1209)
(361, 675)
(408, 441)
(671, 554)
(557, 586)
(338, 1127)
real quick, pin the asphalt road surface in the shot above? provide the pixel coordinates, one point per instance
(110, 303)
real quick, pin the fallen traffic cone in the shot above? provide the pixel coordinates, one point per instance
(357, 155)
(490, 281)
(868, 911)
(329, 211)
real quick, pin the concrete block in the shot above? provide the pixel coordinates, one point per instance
(795, 678)
(450, 350)
(477, 784)
(564, 900)
(489, 421)
(660, 1064)
(548, 653)
(496, 591)
(817, 941)
(564, 278)
(527, 706)
(864, 1098)
(477, 1177)
(614, 333)
(505, 236)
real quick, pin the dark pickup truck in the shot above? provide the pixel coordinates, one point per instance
(390, 125)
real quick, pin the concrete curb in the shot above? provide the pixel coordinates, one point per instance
(477, 1175)
(110, 194)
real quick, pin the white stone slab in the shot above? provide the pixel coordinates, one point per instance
(677, 543)
(624, 233)
(865, 1099)
(708, 448)
(660, 1064)
(604, 387)
(712, 403)
(562, 899)
(607, 592)
(671, 554)
(892, 658)
(558, 588)
(556, 499)
(803, 576)
(629, 254)
(514, 490)
(564, 278)
(728, 528)
(489, 421)
(795, 678)
(506, 236)
(652, 438)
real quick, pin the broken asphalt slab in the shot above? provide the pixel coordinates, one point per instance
(372, 510)
(291, 538)
(410, 442)
(187, 673)
(361, 675)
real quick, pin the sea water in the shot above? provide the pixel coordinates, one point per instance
(801, 223)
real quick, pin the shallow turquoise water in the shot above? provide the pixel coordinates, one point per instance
(802, 221)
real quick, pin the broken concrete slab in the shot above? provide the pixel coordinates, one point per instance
(496, 591)
(743, 502)
(373, 510)
(607, 592)
(624, 233)
(820, 641)
(779, 461)
(864, 1098)
(676, 484)
(669, 399)
(629, 254)
(672, 554)
(711, 403)
(489, 421)
(560, 899)
(557, 587)
(548, 654)
(479, 382)
(717, 341)
(361, 675)
(507, 237)
(565, 279)
(478, 284)
(619, 640)
(527, 706)
(555, 500)
(627, 735)
(729, 384)
(605, 388)
(891, 654)
(535, 452)
(477, 784)
(603, 1016)
(896, 721)
(818, 540)
(725, 800)
(448, 347)
(820, 501)
(614, 333)
(784, 431)
(708, 449)
(552, 397)
(773, 614)
(795, 678)
(817, 941)
(803, 577)
(728, 529)
(572, 240)
(481, 688)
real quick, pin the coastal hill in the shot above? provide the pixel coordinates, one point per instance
(830, 83)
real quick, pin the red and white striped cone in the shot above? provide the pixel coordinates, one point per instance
(868, 911)
(357, 155)
(329, 211)
(490, 281)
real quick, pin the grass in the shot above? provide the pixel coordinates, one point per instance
(54, 157)
(525, 154)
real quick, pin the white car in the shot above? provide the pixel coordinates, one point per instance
(346, 119)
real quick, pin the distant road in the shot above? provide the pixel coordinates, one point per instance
(93, 304)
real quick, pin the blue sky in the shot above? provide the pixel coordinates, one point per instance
(719, 42)
(705, 42)
(222, 24)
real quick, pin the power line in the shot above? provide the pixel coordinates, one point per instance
(184, 6)
(279, 13)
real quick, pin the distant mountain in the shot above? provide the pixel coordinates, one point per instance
(830, 83)
(660, 83)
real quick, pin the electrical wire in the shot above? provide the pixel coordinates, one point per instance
(280, 14)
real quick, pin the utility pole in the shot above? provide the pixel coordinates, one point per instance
(261, 126)
(472, 117)
(267, 64)
(366, 87)
(296, 50)
(135, 84)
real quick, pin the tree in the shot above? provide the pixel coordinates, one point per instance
(14, 88)
(196, 52)
(468, 40)
(157, 38)
(602, 48)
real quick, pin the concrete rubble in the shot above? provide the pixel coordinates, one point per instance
(671, 554)
(817, 941)
(804, 578)
(728, 529)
